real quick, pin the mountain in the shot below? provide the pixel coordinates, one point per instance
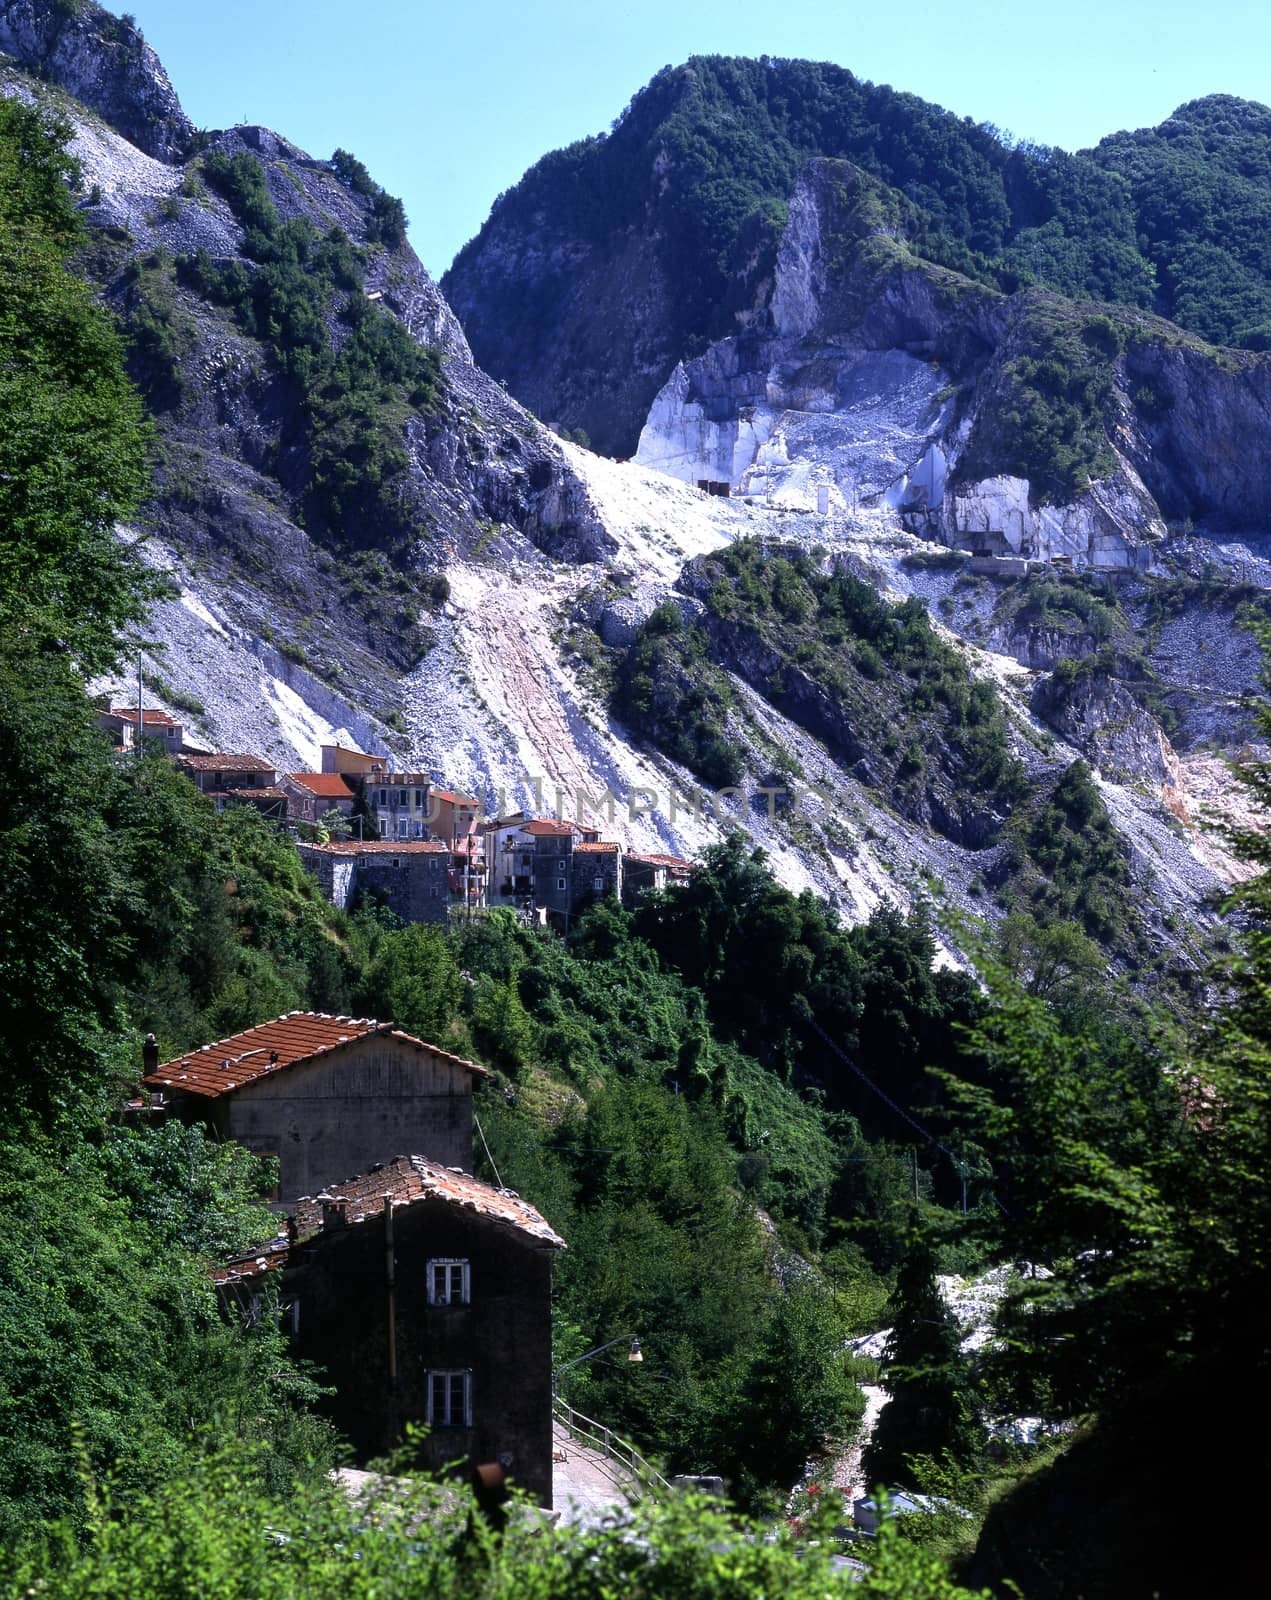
(615, 258)
(366, 538)
(1200, 186)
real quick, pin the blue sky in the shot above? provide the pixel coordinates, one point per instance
(449, 103)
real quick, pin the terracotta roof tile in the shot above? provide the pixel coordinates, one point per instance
(382, 847)
(223, 761)
(266, 1258)
(220, 1068)
(660, 861)
(326, 785)
(409, 1179)
(150, 714)
(543, 826)
(604, 846)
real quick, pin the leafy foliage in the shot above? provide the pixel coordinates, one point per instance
(215, 1531)
(708, 153)
(72, 438)
(668, 690)
(1201, 189)
(902, 698)
(358, 374)
(110, 1346)
(930, 1408)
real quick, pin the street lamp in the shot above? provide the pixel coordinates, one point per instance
(634, 1353)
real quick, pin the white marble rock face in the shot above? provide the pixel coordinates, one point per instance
(804, 417)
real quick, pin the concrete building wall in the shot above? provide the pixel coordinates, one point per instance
(366, 1102)
(502, 1339)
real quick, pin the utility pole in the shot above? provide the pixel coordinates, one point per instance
(140, 719)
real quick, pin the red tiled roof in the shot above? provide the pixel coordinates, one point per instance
(296, 1036)
(326, 785)
(383, 847)
(465, 801)
(659, 861)
(604, 845)
(266, 791)
(408, 1179)
(223, 762)
(542, 826)
(268, 1258)
(129, 714)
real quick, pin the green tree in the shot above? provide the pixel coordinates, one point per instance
(930, 1410)
(72, 435)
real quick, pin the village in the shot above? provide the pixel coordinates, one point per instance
(398, 838)
(422, 1293)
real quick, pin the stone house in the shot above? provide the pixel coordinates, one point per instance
(425, 1295)
(310, 795)
(120, 722)
(596, 871)
(411, 877)
(401, 804)
(641, 871)
(232, 780)
(324, 1095)
(552, 866)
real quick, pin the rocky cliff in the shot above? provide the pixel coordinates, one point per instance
(105, 63)
(1019, 425)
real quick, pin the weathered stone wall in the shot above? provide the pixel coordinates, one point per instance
(549, 875)
(363, 1103)
(413, 885)
(589, 867)
(503, 1338)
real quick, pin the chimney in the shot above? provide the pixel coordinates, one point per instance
(333, 1211)
(149, 1055)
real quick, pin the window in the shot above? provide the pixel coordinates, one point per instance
(449, 1282)
(598, 884)
(561, 866)
(417, 830)
(561, 885)
(383, 797)
(450, 1399)
(419, 799)
(402, 826)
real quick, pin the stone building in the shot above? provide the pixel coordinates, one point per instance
(410, 876)
(310, 795)
(641, 871)
(324, 1095)
(120, 722)
(596, 871)
(425, 1295)
(401, 803)
(552, 866)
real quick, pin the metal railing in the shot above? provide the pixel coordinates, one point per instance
(594, 1434)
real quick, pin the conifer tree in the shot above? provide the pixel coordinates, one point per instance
(929, 1411)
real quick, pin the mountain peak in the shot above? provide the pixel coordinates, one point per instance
(105, 63)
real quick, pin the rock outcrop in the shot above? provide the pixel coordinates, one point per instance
(875, 379)
(102, 61)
